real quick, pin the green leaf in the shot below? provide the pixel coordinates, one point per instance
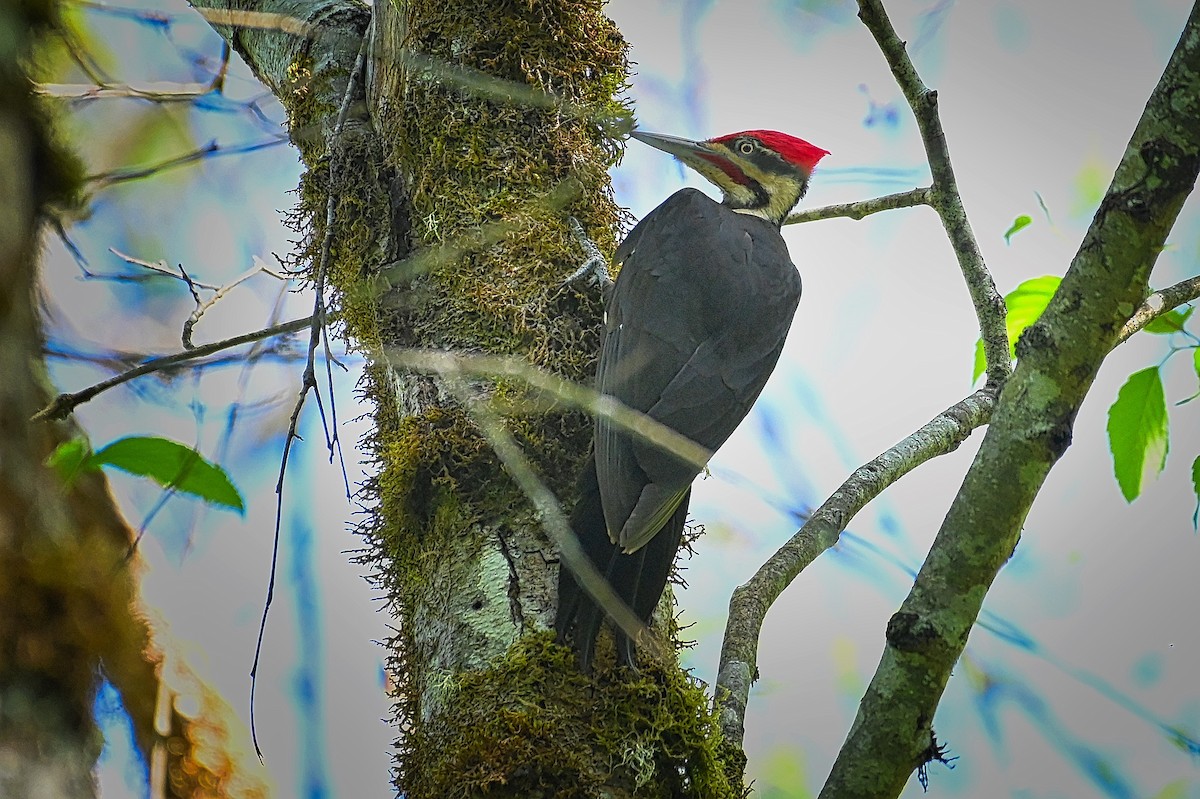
(1021, 222)
(171, 465)
(1173, 790)
(1196, 361)
(980, 361)
(1196, 488)
(1025, 304)
(1137, 430)
(68, 458)
(1170, 322)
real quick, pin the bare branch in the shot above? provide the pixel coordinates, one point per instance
(565, 391)
(63, 404)
(264, 20)
(1029, 431)
(317, 334)
(104, 180)
(1159, 303)
(155, 91)
(193, 319)
(554, 521)
(750, 602)
(863, 208)
(160, 266)
(158, 91)
(944, 196)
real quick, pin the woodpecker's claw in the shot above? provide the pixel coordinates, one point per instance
(595, 269)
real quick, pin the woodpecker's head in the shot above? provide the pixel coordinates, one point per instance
(760, 172)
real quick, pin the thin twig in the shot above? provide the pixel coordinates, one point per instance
(1159, 303)
(160, 267)
(63, 404)
(562, 390)
(944, 195)
(309, 379)
(262, 20)
(103, 180)
(332, 440)
(554, 521)
(262, 622)
(157, 91)
(154, 91)
(193, 319)
(750, 602)
(863, 208)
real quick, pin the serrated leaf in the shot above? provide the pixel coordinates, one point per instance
(1025, 304)
(1170, 322)
(68, 458)
(171, 465)
(1137, 431)
(1021, 222)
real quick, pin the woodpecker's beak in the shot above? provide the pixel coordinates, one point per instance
(685, 150)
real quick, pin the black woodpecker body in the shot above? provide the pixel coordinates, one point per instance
(693, 328)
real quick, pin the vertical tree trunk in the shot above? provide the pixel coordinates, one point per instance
(485, 124)
(47, 604)
(69, 604)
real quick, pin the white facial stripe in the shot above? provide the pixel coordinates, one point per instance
(761, 213)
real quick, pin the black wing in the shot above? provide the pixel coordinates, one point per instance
(694, 328)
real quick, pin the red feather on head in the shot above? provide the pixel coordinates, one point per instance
(791, 149)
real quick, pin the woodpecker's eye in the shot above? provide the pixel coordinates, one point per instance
(746, 147)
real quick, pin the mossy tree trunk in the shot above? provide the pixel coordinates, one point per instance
(70, 610)
(47, 741)
(480, 129)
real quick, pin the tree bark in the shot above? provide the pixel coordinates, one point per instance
(485, 124)
(69, 604)
(47, 742)
(1058, 359)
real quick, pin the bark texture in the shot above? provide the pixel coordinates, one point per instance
(1031, 428)
(47, 742)
(69, 605)
(481, 127)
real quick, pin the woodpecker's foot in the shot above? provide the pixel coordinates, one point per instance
(595, 269)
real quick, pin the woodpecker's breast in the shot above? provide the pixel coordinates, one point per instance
(697, 277)
(704, 263)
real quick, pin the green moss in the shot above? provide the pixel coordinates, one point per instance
(644, 734)
(457, 239)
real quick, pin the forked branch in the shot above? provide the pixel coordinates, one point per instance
(943, 194)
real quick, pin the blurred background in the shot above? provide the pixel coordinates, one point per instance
(1080, 679)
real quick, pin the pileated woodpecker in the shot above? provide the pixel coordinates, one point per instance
(693, 328)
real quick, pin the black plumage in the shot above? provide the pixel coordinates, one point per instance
(694, 326)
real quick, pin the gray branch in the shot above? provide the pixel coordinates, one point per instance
(64, 404)
(943, 195)
(863, 208)
(1030, 429)
(1160, 303)
(750, 602)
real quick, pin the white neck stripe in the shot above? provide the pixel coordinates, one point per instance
(761, 213)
